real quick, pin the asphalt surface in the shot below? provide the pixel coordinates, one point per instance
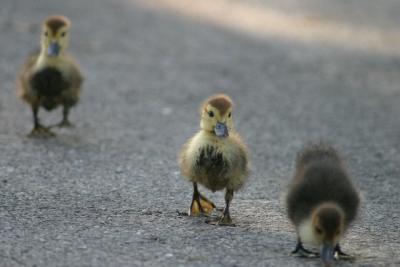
(370, 13)
(106, 193)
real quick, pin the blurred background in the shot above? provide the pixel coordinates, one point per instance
(106, 192)
(351, 24)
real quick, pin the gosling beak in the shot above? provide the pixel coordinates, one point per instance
(327, 254)
(53, 50)
(221, 130)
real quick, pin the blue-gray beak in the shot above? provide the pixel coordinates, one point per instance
(221, 130)
(327, 254)
(54, 49)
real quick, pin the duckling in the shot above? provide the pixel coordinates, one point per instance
(50, 77)
(322, 201)
(215, 157)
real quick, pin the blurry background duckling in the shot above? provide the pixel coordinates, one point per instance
(215, 157)
(50, 78)
(322, 201)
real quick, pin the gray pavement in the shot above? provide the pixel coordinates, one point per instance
(106, 192)
(381, 14)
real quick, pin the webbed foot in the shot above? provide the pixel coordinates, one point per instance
(300, 251)
(224, 220)
(201, 206)
(340, 255)
(65, 124)
(41, 132)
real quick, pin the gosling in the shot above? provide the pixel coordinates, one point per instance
(215, 157)
(51, 77)
(322, 201)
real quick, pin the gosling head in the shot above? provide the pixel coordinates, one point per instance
(328, 227)
(55, 36)
(216, 115)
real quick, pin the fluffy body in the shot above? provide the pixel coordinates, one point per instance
(214, 162)
(215, 157)
(49, 83)
(320, 194)
(50, 77)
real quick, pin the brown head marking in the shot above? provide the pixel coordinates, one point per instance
(221, 102)
(330, 218)
(54, 23)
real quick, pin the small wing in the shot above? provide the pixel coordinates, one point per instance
(184, 162)
(76, 78)
(243, 154)
(24, 76)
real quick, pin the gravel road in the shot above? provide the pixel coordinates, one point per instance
(106, 193)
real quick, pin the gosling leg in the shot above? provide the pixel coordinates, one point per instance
(226, 217)
(39, 131)
(200, 204)
(65, 121)
(302, 252)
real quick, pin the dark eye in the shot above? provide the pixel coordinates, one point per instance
(63, 34)
(318, 230)
(211, 114)
(46, 33)
(230, 114)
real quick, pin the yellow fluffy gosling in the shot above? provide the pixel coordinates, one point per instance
(215, 157)
(50, 78)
